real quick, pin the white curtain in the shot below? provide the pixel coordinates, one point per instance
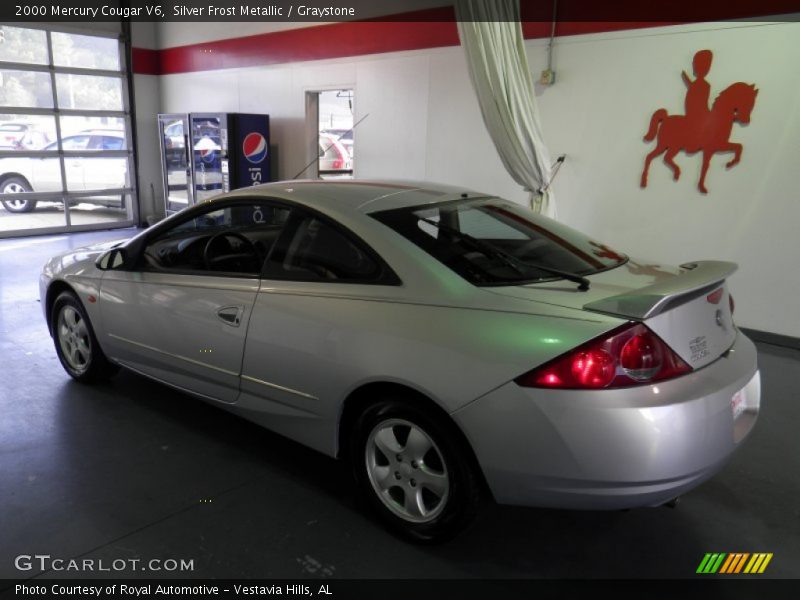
(491, 35)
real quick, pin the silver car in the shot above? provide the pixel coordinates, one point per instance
(83, 173)
(445, 342)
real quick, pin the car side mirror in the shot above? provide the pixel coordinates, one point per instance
(112, 259)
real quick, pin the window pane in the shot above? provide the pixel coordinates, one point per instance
(234, 239)
(484, 225)
(23, 45)
(105, 133)
(96, 173)
(268, 218)
(86, 51)
(103, 209)
(25, 88)
(89, 92)
(496, 242)
(319, 251)
(25, 132)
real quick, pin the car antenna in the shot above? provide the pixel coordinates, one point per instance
(331, 146)
(553, 172)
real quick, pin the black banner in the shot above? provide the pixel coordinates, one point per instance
(710, 588)
(386, 10)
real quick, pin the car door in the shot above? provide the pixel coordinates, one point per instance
(181, 315)
(305, 322)
(46, 172)
(104, 172)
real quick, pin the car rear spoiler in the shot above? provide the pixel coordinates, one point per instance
(654, 299)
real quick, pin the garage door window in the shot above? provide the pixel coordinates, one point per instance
(65, 158)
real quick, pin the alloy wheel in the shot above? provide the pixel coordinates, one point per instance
(407, 470)
(15, 188)
(73, 337)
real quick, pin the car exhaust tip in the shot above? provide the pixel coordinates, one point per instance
(672, 503)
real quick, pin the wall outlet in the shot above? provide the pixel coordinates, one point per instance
(548, 77)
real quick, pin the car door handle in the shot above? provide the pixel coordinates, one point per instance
(231, 315)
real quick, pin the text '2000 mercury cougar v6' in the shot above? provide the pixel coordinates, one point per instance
(446, 343)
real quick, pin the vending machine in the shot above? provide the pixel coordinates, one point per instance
(206, 154)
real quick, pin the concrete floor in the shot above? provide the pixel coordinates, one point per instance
(51, 214)
(133, 469)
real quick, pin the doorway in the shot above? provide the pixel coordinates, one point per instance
(336, 140)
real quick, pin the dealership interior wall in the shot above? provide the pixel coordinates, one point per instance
(131, 468)
(424, 124)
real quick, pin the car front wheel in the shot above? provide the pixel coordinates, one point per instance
(414, 471)
(76, 344)
(17, 185)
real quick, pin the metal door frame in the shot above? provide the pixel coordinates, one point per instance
(187, 141)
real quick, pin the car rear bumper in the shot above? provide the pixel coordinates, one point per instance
(612, 449)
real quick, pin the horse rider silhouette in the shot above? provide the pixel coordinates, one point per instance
(701, 128)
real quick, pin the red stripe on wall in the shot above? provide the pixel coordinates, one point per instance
(337, 40)
(145, 61)
(433, 28)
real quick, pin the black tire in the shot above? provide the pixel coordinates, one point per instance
(411, 479)
(16, 185)
(75, 341)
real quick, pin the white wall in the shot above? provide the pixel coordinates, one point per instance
(424, 123)
(608, 87)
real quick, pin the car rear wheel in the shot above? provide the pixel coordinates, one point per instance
(76, 344)
(17, 185)
(414, 472)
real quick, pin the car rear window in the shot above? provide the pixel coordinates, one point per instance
(491, 241)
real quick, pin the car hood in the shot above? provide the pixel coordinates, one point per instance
(94, 250)
(73, 262)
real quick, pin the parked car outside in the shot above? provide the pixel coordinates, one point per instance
(344, 137)
(333, 156)
(84, 173)
(444, 342)
(22, 136)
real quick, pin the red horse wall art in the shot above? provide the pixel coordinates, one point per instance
(701, 129)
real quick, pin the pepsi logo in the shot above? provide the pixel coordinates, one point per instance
(254, 147)
(207, 150)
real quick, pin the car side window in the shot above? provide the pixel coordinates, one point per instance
(72, 142)
(315, 249)
(231, 240)
(106, 142)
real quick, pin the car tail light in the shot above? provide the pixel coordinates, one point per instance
(337, 163)
(628, 356)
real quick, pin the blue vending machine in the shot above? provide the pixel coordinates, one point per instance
(206, 154)
(229, 151)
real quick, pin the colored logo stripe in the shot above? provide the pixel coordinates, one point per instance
(734, 563)
(710, 563)
(758, 563)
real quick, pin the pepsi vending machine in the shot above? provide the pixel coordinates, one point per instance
(220, 152)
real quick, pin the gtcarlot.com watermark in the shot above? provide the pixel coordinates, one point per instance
(46, 562)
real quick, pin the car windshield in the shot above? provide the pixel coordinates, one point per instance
(490, 241)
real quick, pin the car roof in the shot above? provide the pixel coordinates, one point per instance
(117, 132)
(362, 196)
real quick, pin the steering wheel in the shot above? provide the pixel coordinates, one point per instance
(237, 259)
